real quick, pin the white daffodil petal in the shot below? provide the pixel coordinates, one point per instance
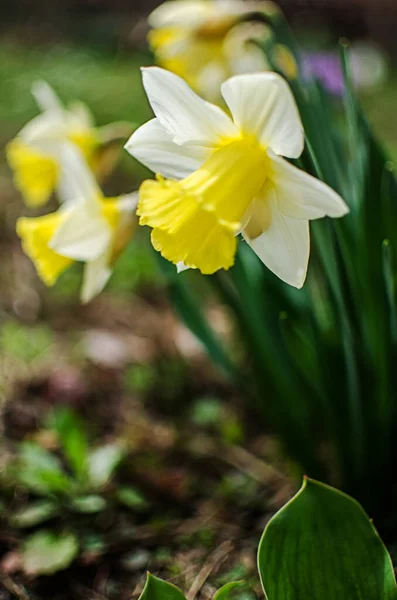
(128, 202)
(187, 118)
(45, 96)
(210, 78)
(301, 196)
(96, 275)
(181, 13)
(153, 147)
(79, 116)
(44, 128)
(83, 235)
(76, 180)
(262, 105)
(285, 245)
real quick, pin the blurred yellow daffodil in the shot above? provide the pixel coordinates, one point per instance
(87, 227)
(206, 41)
(227, 175)
(34, 154)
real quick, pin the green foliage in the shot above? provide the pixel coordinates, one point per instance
(40, 471)
(139, 378)
(72, 436)
(321, 545)
(102, 463)
(157, 589)
(322, 359)
(45, 552)
(226, 591)
(26, 344)
(60, 487)
(131, 498)
(34, 513)
(207, 411)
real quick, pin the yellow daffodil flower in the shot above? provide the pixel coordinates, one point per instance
(35, 154)
(219, 176)
(87, 228)
(205, 41)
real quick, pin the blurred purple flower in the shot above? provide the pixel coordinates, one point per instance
(368, 65)
(327, 68)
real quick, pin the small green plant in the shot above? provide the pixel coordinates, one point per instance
(75, 481)
(321, 545)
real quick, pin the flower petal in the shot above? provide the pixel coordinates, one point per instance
(96, 276)
(35, 234)
(301, 196)
(35, 174)
(45, 96)
(76, 181)
(84, 233)
(187, 117)
(45, 128)
(154, 148)
(262, 105)
(285, 245)
(200, 244)
(183, 13)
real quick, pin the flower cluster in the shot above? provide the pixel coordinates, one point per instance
(221, 172)
(56, 152)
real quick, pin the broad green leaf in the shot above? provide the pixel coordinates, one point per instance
(40, 471)
(89, 504)
(103, 462)
(71, 432)
(157, 589)
(34, 514)
(226, 591)
(46, 552)
(322, 546)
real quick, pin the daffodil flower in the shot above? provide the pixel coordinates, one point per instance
(87, 227)
(34, 154)
(219, 176)
(205, 41)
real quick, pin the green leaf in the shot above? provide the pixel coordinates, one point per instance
(71, 432)
(89, 504)
(45, 552)
(27, 344)
(157, 589)
(322, 546)
(190, 310)
(39, 470)
(103, 462)
(224, 592)
(132, 498)
(34, 513)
